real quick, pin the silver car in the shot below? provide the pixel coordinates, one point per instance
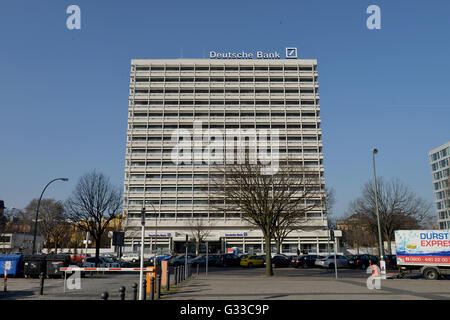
(328, 262)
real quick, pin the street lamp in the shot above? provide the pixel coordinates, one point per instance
(37, 210)
(156, 234)
(375, 151)
(141, 271)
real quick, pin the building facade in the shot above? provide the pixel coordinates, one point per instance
(221, 95)
(19, 243)
(440, 171)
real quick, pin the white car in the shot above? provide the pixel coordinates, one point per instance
(130, 257)
(89, 262)
(328, 262)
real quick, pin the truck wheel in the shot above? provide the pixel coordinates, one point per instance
(431, 274)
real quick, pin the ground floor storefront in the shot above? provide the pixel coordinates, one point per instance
(220, 241)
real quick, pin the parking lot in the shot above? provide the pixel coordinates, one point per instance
(242, 284)
(311, 284)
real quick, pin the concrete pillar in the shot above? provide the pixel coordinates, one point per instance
(317, 244)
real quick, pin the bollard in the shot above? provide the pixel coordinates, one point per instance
(5, 281)
(134, 286)
(175, 275)
(145, 289)
(168, 279)
(198, 269)
(104, 295)
(158, 287)
(182, 273)
(152, 288)
(42, 276)
(122, 293)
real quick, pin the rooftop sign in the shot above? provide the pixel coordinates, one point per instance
(291, 53)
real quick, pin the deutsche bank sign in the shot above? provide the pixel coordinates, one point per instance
(291, 53)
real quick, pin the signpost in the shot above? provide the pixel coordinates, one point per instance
(206, 243)
(185, 258)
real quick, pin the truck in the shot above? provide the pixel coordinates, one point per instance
(425, 250)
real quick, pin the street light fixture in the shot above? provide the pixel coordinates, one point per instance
(141, 270)
(375, 151)
(37, 210)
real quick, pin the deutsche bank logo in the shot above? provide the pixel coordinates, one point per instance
(291, 53)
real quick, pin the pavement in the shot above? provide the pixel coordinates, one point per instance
(241, 284)
(307, 284)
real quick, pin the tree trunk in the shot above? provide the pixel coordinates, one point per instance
(278, 245)
(389, 245)
(97, 249)
(197, 247)
(269, 270)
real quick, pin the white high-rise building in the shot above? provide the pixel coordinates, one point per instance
(440, 170)
(222, 94)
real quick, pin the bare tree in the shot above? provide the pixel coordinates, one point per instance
(399, 208)
(52, 223)
(199, 230)
(271, 202)
(93, 204)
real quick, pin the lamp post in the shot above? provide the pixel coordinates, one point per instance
(375, 151)
(156, 234)
(37, 210)
(141, 271)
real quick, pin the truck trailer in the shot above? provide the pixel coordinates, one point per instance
(425, 250)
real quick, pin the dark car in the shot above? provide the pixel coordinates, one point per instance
(179, 260)
(228, 260)
(307, 261)
(201, 260)
(281, 261)
(391, 261)
(362, 261)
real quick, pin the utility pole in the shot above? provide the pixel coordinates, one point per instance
(375, 151)
(185, 257)
(141, 271)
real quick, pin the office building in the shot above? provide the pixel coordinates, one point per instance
(440, 171)
(220, 94)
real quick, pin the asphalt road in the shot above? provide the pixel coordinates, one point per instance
(242, 284)
(310, 284)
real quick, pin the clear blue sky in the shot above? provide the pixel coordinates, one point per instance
(64, 94)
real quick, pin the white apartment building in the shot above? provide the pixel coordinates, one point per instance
(440, 171)
(223, 94)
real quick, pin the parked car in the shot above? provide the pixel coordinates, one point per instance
(228, 260)
(201, 260)
(328, 262)
(103, 262)
(130, 257)
(281, 261)
(180, 260)
(160, 258)
(362, 261)
(391, 261)
(123, 264)
(306, 261)
(251, 261)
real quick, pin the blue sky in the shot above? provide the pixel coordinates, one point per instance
(64, 93)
